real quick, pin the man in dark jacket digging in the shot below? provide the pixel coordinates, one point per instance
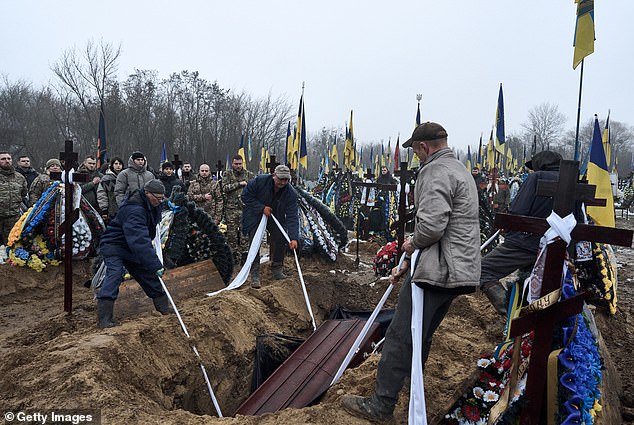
(127, 243)
(271, 194)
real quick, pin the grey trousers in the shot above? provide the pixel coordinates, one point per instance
(396, 359)
(503, 261)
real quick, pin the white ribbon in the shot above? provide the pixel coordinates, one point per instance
(417, 406)
(159, 253)
(366, 328)
(299, 271)
(242, 276)
(561, 227)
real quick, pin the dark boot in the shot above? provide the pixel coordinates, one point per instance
(496, 294)
(104, 313)
(278, 273)
(255, 279)
(363, 407)
(161, 304)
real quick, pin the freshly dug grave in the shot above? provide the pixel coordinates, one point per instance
(144, 371)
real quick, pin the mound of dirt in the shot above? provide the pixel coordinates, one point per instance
(144, 370)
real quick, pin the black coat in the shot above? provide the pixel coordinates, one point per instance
(258, 193)
(130, 233)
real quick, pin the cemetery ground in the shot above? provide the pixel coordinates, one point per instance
(144, 371)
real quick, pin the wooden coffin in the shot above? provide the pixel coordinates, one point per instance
(308, 372)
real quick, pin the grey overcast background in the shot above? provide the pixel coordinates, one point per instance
(371, 56)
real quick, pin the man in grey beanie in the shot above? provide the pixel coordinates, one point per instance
(127, 243)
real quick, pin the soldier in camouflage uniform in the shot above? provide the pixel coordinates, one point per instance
(233, 181)
(206, 193)
(43, 181)
(12, 191)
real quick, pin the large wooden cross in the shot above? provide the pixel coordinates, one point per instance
(565, 192)
(176, 162)
(272, 164)
(369, 185)
(69, 159)
(404, 176)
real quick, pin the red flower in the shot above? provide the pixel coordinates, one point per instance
(471, 412)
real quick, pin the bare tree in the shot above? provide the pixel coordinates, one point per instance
(546, 123)
(88, 73)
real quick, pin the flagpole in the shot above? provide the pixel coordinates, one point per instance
(577, 145)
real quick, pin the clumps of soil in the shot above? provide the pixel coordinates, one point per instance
(144, 370)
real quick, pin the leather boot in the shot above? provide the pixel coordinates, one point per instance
(278, 273)
(255, 279)
(364, 407)
(104, 313)
(161, 304)
(496, 293)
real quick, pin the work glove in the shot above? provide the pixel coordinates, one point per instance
(160, 272)
(292, 244)
(268, 211)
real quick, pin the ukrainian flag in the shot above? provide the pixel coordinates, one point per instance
(241, 148)
(468, 157)
(599, 176)
(584, 31)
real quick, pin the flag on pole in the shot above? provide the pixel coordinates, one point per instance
(348, 147)
(397, 153)
(296, 141)
(241, 148)
(499, 124)
(584, 31)
(382, 162)
(606, 140)
(479, 157)
(490, 153)
(468, 157)
(303, 151)
(334, 155)
(418, 114)
(163, 154)
(289, 144)
(249, 149)
(102, 157)
(599, 176)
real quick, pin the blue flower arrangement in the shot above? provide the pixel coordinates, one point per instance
(39, 211)
(582, 366)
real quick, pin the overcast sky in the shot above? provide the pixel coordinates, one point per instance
(369, 56)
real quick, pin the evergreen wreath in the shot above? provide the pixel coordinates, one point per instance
(339, 231)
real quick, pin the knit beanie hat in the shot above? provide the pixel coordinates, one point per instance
(137, 155)
(154, 186)
(53, 161)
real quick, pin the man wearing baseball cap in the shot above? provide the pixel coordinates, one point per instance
(127, 243)
(271, 194)
(447, 237)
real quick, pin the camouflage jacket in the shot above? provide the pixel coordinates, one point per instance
(12, 191)
(232, 189)
(39, 186)
(197, 191)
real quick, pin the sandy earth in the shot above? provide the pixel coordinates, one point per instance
(144, 371)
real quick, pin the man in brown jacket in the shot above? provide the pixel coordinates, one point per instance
(447, 236)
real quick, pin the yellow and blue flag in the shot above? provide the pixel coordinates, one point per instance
(584, 31)
(499, 124)
(241, 148)
(599, 176)
(606, 140)
(468, 157)
(303, 151)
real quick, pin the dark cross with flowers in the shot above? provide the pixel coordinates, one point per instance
(369, 185)
(177, 162)
(69, 159)
(219, 169)
(336, 168)
(564, 192)
(272, 164)
(405, 176)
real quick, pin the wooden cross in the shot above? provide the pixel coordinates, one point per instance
(69, 159)
(336, 168)
(405, 176)
(177, 162)
(369, 185)
(564, 192)
(219, 169)
(272, 164)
